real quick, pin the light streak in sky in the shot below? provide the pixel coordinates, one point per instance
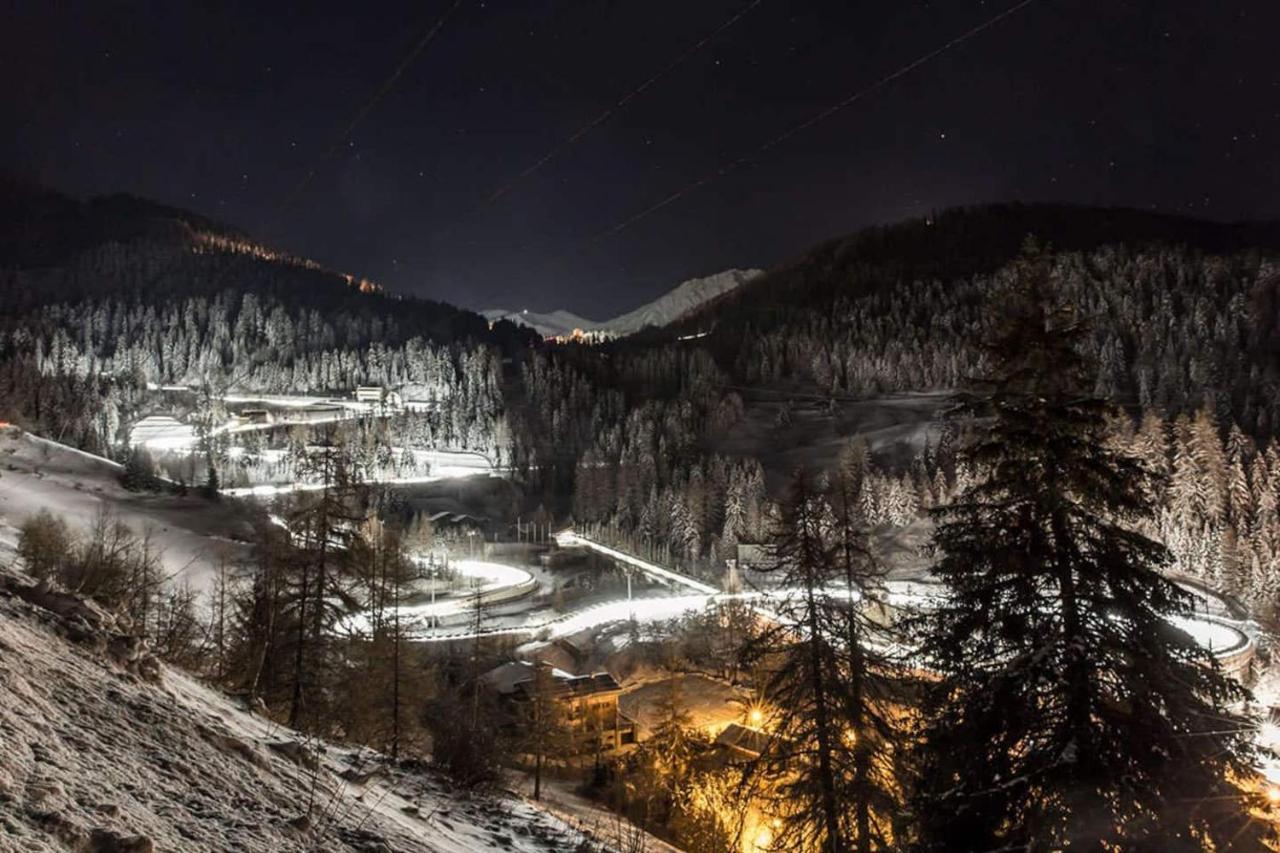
(367, 107)
(565, 144)
(733, 165)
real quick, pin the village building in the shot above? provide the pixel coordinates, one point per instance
(750, 565)
(590, 704)
(741, 743)
(377, 395)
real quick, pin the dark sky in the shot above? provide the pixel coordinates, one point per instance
(223, 107)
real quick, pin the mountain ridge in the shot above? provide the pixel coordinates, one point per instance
(968, 240)
(673, 305)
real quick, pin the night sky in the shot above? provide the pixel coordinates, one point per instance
(224, 108)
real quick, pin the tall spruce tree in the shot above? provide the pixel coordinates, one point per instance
(829, 756)
(871, 688)
(1070, 709)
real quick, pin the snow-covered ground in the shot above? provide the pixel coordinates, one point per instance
(446, 472)
(35, 474)
(569, 539)
(163, 434)
(160, 432)
(560, 798)
(1217, 634)
(1229, 641)
(100, 757)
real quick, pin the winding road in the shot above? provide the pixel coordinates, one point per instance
(1225, 638)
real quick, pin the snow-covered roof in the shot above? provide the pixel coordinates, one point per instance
(505, 678)
(743, 738)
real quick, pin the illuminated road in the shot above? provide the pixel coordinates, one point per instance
(444, 465)
(568, 539)
(1220, 636)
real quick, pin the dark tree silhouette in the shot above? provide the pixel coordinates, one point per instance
(1070, 707)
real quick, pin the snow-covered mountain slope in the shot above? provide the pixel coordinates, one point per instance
(551, 324)
(671, 306)
(106, 750)
(674, 304)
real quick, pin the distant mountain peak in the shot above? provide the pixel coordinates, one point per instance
(550, 324)
(685, 298)
(673, 305)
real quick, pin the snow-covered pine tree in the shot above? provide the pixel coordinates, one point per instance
(803, 682)
(1069, 709)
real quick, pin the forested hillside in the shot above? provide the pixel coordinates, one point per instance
(1183, 313)
(106, 297)
(1184, 325)
(669, 446)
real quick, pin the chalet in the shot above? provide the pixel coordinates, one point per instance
(377, 395)
(590, 703)
(742, 742)
(256, 416)
(752, 564)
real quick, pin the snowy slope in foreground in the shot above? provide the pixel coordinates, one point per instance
(101, 752)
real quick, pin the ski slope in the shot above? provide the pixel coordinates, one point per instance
(189, 533)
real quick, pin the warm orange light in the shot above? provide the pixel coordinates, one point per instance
(1273, 794)
(755, 716)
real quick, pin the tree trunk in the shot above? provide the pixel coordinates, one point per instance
(299, 663)
(822, 723)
